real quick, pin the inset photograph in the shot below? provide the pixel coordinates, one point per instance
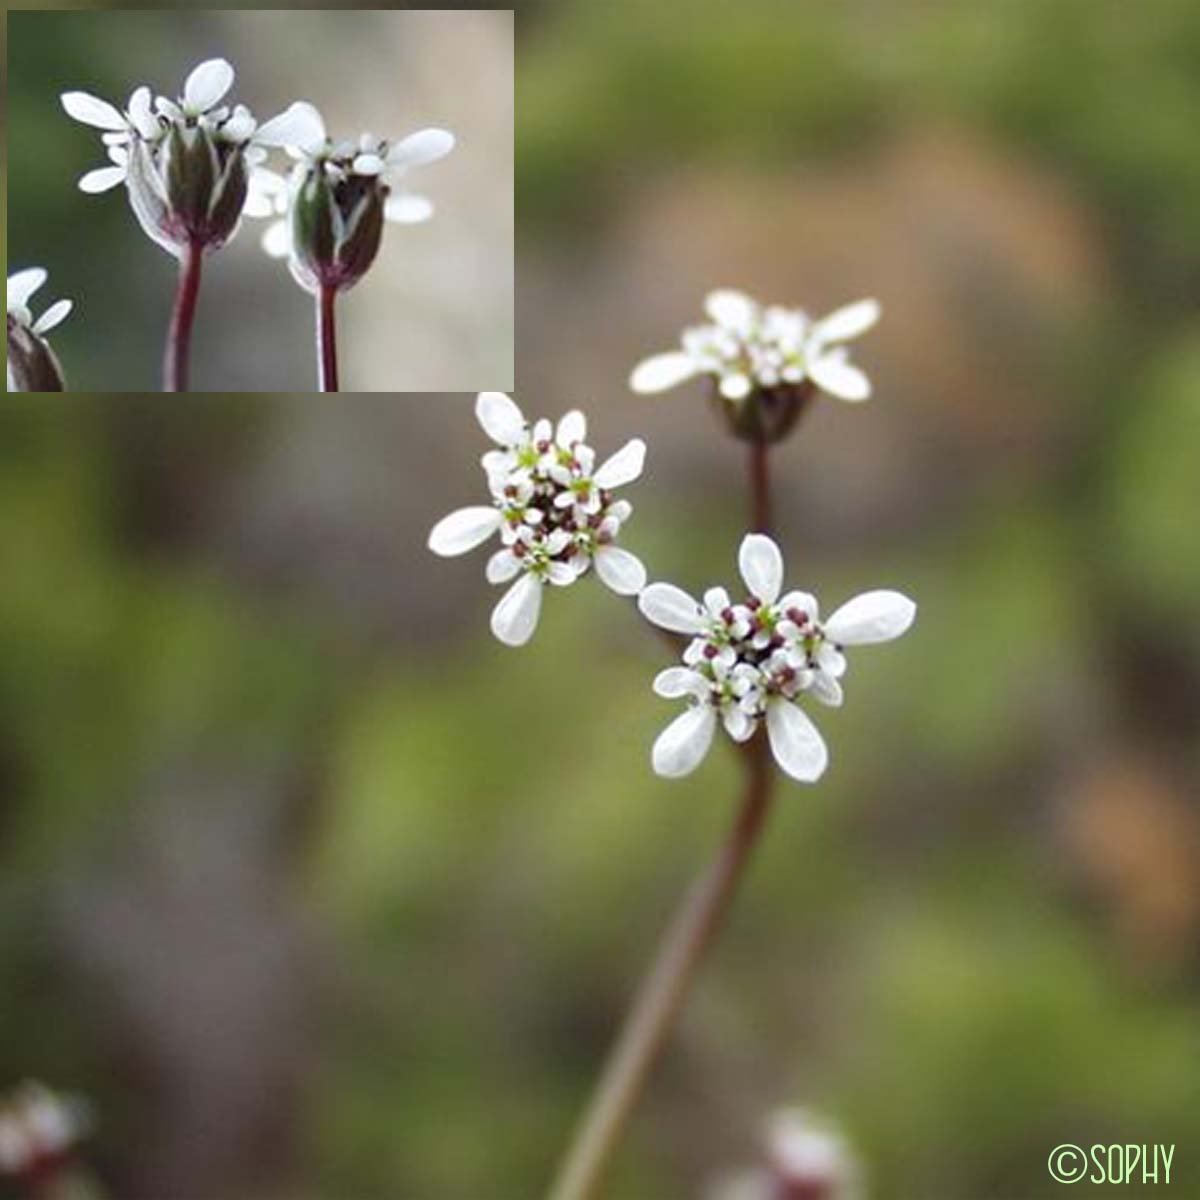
(260, 201)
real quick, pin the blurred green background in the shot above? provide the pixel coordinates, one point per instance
(317, 891)
(435, 311)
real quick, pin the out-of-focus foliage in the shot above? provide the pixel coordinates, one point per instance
(316, 890)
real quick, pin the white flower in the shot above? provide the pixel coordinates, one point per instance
(305, 138)
(747, 664)
(37, 1129)
(21, 287)
(747, 347)
(553, 509)
(31, 365)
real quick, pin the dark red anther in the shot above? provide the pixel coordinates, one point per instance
(543, 447)
(727, 614)
(798, 616)
(754, 603)
(710, 651)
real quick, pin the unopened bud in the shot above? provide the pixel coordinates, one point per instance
(32, 365)
(337, 225)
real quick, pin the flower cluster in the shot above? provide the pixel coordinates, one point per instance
(38, 1130)
(553, 509)
(806, 1159)
(32, 365)
(779, 355)
(749, 662)
(184, 161)
(333, 207)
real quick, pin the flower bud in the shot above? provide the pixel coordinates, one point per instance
(32, 365)
(187, 187)
(336, 225)
(767, 414)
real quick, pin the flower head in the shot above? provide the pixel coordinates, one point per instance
(38, 1130)
(749, 662)
(774, 356)
(32, 365)
(333, 207)
(553, 509)
(183, 160)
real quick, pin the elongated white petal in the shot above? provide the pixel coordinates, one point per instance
(277, 239)
(101, 179)
(141, 113)
(623, 467)
(241, 126)
(738, 724)
(500, 417)
(207, 84)
(836, 375)
(872, 617)
(826, 689)
(671, 608)
(56, 314)
(516, 616)
(680, 681)
(662, 372)
(368, 164)
(847, 322)
(301, 126)
(464, 529)
(90, 110)
(502, 566)
(622, 571)
(731, 310)
(23, 284)
(571, 429)
(761, 565)
(797, 745)
(831, 660)
(425, 146)
(403, 208)
(681, 747)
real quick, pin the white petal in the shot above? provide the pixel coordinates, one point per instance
(502, 566)
(56, 314)
(403, 208)
(207, 84)
(680, 681)
(738, 723)
(101, 179)
(826, 689)
(516, 616)
(671, 608)
(425, 146)
(847, 322)
(92, 111)
(622, 571)
(681, 747)
(141, 113)
(795, 742)
(831, 660)
(571, 429)
(624, 466)
(662, 372)
(840, 378)
(735, 387)
(464, 530)
(500, 417)
(23, 284)
(731, 310)
(277, 239)
(300, 126)
(872, 617)
(368, 164)
(240, 126)
(761, 565)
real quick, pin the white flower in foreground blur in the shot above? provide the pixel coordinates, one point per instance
(32, 365)
(748, 347)
(333, 207)
(553, 509)
(185, 160)
(749, 662)
(805, 1160)
(38, 1130)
